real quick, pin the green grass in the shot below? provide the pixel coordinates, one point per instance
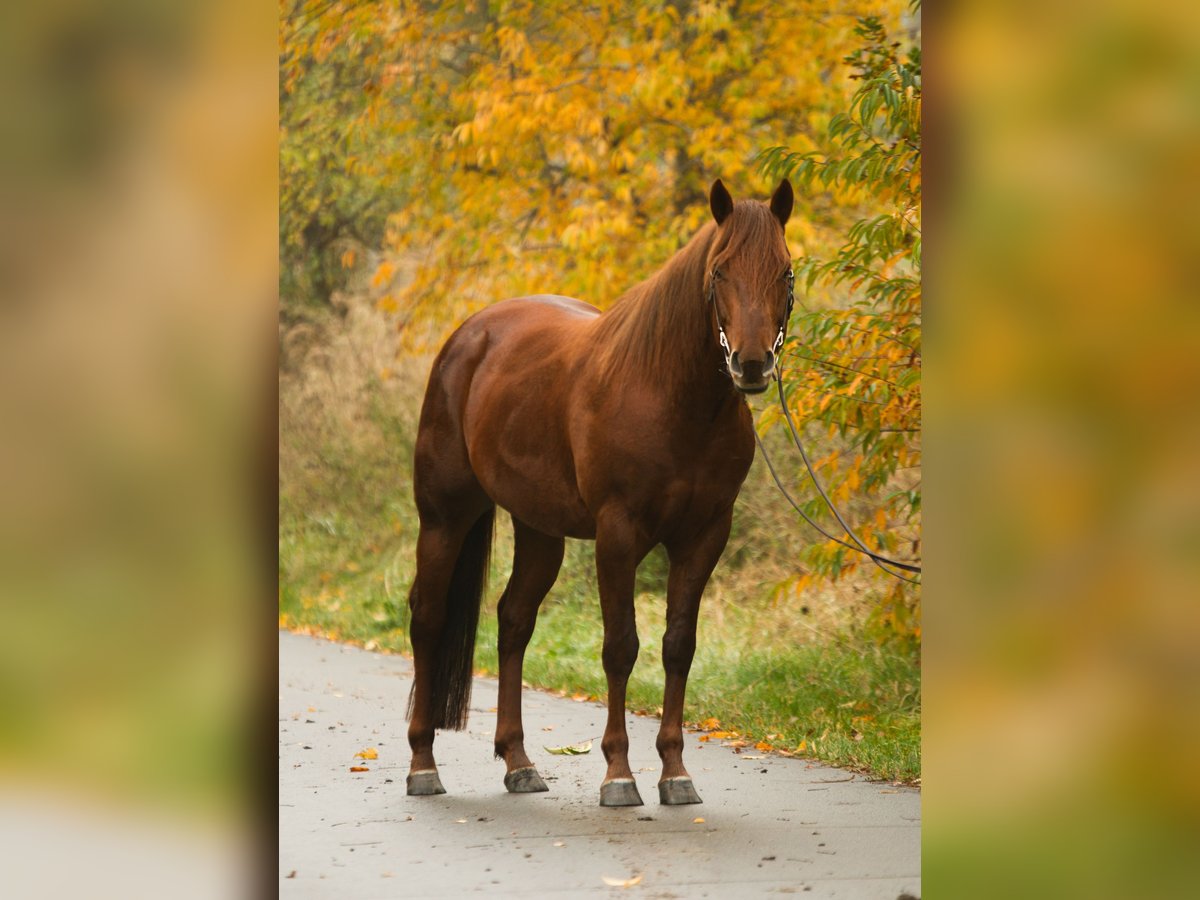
(797, 672)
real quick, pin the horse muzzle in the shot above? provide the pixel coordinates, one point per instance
(751, 376)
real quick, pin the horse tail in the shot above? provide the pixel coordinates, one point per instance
(454, 660)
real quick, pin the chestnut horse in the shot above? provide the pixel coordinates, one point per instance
(621, 427)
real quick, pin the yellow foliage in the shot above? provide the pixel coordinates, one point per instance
(539, 148)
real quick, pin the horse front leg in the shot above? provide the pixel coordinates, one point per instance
(617, 557)
(692, 562)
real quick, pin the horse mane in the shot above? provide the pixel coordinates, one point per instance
(664, 324)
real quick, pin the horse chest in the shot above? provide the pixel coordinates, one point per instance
(661, 468)
(703, 484)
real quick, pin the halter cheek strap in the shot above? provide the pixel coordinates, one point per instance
(791, 299)
(725, 346)
(721, 337)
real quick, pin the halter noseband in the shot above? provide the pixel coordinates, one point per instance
(712, 301)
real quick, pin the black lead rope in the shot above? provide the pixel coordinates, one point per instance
(881, 561)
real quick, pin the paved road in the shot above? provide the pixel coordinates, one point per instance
(770, 826)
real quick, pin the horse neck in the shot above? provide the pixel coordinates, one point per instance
(662, 329)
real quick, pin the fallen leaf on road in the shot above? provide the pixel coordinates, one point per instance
(559, 844)
(369, 753)
(460, 821)
(571, 749)
(621, 882)
(359, 769)
(753, 757)
(709, 724)
(762, 745)
(699, 820)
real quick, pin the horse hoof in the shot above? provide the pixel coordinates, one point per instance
(620, 792)
(677, 792)
(524, 781)
(425, 783)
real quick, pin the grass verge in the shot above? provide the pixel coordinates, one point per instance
(837, 697)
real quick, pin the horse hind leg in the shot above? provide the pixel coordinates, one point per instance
(536, 562)
(452, 563)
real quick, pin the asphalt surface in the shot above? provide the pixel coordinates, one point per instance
(768, 825)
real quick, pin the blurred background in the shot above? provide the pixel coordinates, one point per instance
(137, 395)
(145, 224)
(1062, 683)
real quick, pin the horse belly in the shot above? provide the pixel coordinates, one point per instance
(549, 515)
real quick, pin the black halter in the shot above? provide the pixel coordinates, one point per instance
(712, 301)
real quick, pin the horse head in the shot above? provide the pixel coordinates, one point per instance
(749, 283)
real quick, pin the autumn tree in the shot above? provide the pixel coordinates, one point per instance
(334, 192)
(531, 146)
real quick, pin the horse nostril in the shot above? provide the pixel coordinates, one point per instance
(769, 364)
(735, 366)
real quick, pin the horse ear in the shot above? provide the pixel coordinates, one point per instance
(720, 202)
(781, 201)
